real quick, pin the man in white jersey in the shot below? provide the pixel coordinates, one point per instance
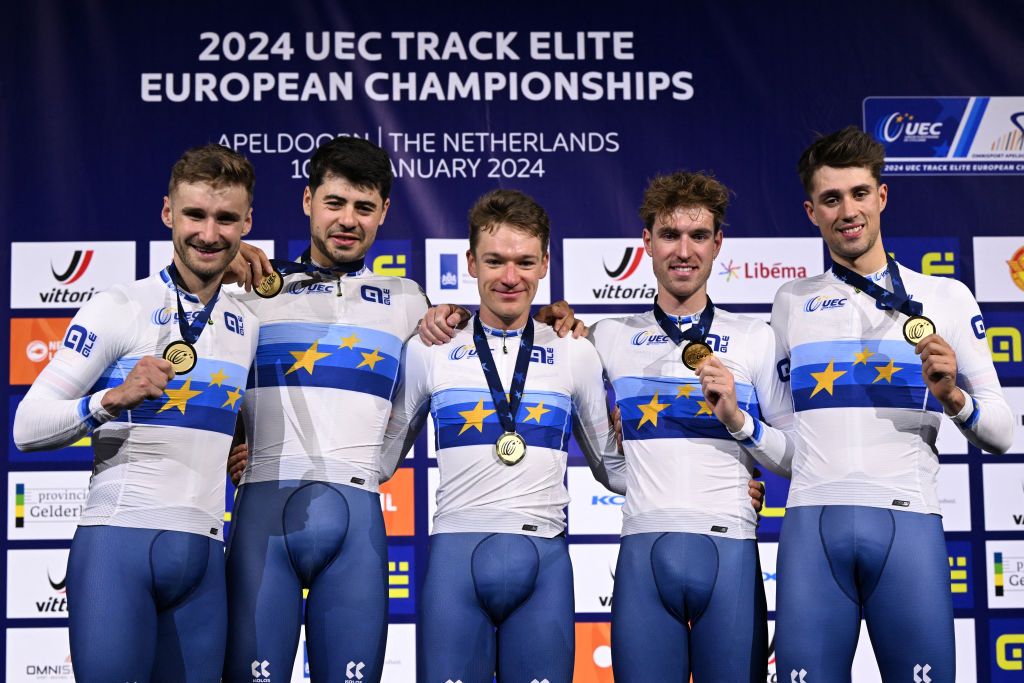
(689, 598)
(156, 370)
(504, 397)
(880, 355)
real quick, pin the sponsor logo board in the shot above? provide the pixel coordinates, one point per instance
(594, 575)
(769, 554)
(1004, 569)
(955, 496)
(37, 584)
(608, 271)
(593, 509)
(593, 653)
(45, 505)
(749, 270)
(398, 503)
(38, 654)
(999, 269)
(34, 342)
(67, 274)
(1003, 496)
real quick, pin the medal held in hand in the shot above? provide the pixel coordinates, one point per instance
(697, 350)
(510, 447)
(182, 354)
(270, 286)
(918, 326)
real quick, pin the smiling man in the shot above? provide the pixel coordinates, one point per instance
(873, 373)
(504, 396)
(155, 370)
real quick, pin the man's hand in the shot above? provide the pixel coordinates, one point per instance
(560, 316)
(938, 367)
(249, 266)
(719, 389)
(439, 324)
(237, 459)
(147, 380)
(755, 489)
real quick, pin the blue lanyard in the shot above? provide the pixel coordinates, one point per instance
(506, 410)
(696, 333)
(191, 332)
(896, 300)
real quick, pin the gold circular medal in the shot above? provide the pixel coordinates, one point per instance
(182, 357)
(695, 353)
(270, 286)
(510, 448)
(917, 328)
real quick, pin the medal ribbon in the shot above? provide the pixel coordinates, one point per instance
(506, 410)
(896, 300)
(696, 333)
(305, 265)
(191, 332)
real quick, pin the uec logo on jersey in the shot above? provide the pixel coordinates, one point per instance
(823, 303)
(647, 338)
(460, 352)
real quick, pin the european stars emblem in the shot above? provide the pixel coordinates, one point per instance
(685, 390)
(233, 397)
(886, 371)
(826, 379)
(862, 356)
(536, 412)
(650, 411)
(217, 378)
(179, 398)
(349, 342)
(370, 359)
(705, 408)
(475, 417)
(306, 359)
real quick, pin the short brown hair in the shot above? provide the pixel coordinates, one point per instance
(214, 164)
(509, 207)
(847, 148)
(666, 193)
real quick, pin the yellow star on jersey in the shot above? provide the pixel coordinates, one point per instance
(370, 359)
(475, 417)
(233, 397)
(886, 371)
(862, 356)
(685, 390)
(536, 412)
(179, 398)
(217, 378)
(826, 379)
(306, 359)
(349, 342)
(705, 408)
(650, 411)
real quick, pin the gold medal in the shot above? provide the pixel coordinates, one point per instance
(510, 448)
(270, 286)
(182, 357)
(695, 353)
(917, 328)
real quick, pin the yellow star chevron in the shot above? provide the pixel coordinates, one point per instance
(475, 417)
(217, 378)
(886, 372)
(179, 398)
(370, 359)
(685, 390)
(862, 356)
(826, 379)
(233, 397)
(349, 342)
(536, 412)
(705, 408)
(651, 411)
(306, 359)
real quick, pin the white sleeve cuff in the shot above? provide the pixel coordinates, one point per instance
(747, 430)
(96, 410)
(965, 413)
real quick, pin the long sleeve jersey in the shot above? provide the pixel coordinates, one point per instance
(161, 464)
(320, 389)
(564, 393)
(685, 471)
(866, 420)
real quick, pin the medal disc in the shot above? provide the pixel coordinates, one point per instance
(182, 357)
(694, 353)
(917, 328)
(510, 448)
(270, 286)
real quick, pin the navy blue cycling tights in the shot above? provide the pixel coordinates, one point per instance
(688, 604)
(496, 603)
(838, 562)
(146, 605)
(328, 538)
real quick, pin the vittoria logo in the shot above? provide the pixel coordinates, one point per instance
(80, 261)
(631, 258)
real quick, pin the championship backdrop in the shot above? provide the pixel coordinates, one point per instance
(577, 104)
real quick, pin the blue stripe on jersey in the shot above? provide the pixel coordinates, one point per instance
(207, 398)
(859, 373)
(330, 356)
(544, 419)
(668, 407)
